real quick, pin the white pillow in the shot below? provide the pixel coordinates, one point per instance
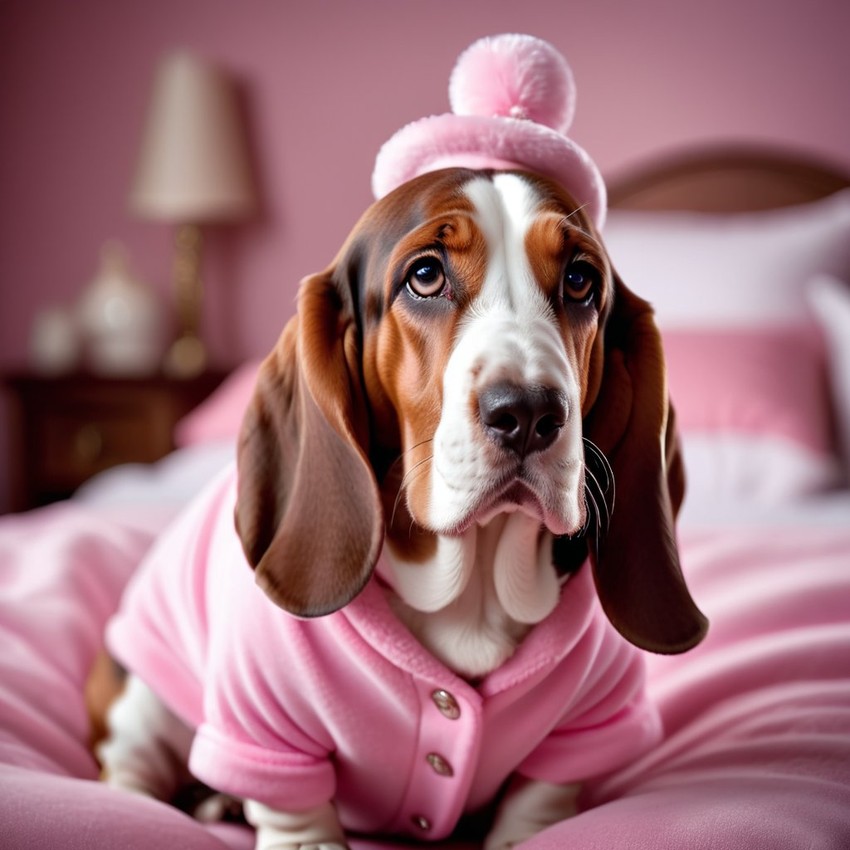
(730, 468)
(830, 302)
(710, 270)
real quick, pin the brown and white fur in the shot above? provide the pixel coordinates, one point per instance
(446, 393)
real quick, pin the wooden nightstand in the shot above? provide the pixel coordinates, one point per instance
(66, 429)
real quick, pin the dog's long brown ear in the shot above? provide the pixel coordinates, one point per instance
(636, 563)
(308, 512)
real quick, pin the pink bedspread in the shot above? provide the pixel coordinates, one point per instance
(757, 747)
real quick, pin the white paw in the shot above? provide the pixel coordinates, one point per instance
(217, 807)
(323, 846)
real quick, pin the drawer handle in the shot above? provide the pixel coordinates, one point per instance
(88, 444)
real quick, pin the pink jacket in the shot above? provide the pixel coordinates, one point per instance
(350, 706)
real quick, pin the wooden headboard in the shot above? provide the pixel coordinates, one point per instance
(726, 179)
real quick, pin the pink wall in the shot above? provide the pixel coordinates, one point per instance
(325, 83)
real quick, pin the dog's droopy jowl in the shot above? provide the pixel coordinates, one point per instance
(468, 405)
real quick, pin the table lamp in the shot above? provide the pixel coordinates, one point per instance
(193, 170)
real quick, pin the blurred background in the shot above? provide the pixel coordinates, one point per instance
(318, 87)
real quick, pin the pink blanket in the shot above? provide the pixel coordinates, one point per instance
(757, 746)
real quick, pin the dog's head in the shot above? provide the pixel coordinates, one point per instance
(470, 352)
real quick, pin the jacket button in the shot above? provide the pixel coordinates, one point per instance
(446, 703)
(421, 822)
(439, 764)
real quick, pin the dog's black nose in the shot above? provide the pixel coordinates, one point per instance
(522, 419)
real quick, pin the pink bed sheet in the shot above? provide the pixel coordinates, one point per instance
(757, 746)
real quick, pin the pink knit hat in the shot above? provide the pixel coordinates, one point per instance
(513, 99)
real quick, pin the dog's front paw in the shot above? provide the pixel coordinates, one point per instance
(333, 846)
(216, 808)
(529, 807)
(314, 829)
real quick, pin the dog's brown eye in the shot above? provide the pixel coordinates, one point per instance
(426, 277)
(580, 282)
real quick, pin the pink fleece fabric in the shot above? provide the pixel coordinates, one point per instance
(295, 712)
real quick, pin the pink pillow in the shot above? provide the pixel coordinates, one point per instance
(219, 417)
(758, 381)
(754, 412)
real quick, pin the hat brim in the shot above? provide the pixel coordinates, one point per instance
(475, 141)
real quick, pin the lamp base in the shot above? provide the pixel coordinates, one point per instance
(186, 358)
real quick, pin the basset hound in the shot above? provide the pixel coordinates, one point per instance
(458, 456)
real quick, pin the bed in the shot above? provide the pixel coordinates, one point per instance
(746, 256)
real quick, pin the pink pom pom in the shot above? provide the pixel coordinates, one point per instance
(514, 76)
(495, 81)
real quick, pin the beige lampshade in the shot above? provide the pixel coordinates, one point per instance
(194, 165)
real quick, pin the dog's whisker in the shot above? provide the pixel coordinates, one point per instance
(588, 515)
(408, 451)
(576, 211)
(602, 464)
(398, 496)
(603, 519)
(593, 508)
(593, 514)
(413, 472)
(595, 482)
(407, 477)
(406, 481)
(600, 488)
(595, 450)
(599, 456)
